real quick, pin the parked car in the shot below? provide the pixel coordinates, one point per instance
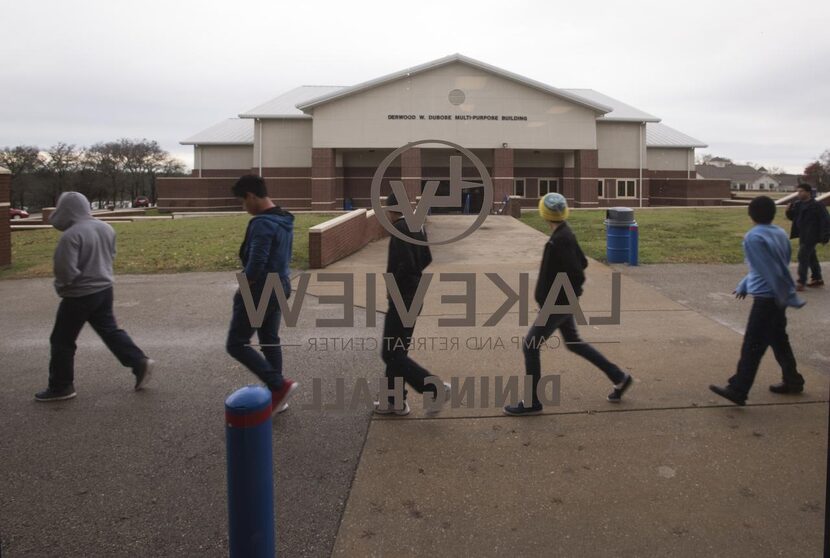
(18, 213)
(141, 201)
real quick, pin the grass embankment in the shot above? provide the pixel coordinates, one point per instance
(693, 235)
(160, 246)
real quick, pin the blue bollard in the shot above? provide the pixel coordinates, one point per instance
(633, 244)
(250, 462)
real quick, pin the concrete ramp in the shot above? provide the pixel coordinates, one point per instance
(672, 470)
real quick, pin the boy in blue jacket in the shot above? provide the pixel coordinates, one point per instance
(265, 249)
(768, 252)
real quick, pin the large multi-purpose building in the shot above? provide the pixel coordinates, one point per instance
(318, 147)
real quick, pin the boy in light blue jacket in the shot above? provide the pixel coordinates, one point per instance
(768, 251)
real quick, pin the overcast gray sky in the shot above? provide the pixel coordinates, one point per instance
(750, 78)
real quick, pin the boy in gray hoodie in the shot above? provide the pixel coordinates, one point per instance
(83, 280)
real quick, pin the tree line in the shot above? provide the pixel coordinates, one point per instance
(108, 173)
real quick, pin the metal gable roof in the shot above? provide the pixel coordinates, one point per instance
(232, 131)
(285, 105)
(331, 96)
(660, 135)
(620, 112)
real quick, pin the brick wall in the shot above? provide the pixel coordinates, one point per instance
(214, 194)
(342, 236)
(668, 191)
(323, 178)
(502, 174)
(5, 229)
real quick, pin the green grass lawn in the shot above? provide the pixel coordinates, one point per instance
(169, 246)
(693, 235)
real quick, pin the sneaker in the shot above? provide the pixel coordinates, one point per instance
(619, 389)
(432, 412)
(799, 286)
(390, 410)
(279, 397)
(520, 409)
(50, 394)
(143, 372)
(816, 283)
(783, 388)
(730, 394)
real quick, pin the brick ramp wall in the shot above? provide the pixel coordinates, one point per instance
(342, 236)
(691, 192)
(214, 194)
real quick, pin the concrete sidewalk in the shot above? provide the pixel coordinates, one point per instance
(672, 470)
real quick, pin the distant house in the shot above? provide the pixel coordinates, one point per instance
(766, 182)
(787, 182)
(745, 178)
(719, 162)
(741, 177)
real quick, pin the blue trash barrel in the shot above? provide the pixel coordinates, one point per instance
(348, 204)
(618, 221)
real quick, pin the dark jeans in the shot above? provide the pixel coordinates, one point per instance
(73, 313)
(269, 368)
(567, 327)
(767, 327)
(807, 258)
(395, 354)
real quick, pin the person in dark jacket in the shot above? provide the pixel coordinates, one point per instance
(83, 280)
(265, 249)
(562, 255)
(810, 220)
(406, 262)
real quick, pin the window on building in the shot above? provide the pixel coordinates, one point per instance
(626, 188)
(519, 187)
(600, 188)
(548, 185)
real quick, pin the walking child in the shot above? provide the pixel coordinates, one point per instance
(265, 249)
(768, 251)
(406, 262)
(562, 255)
(83, 280)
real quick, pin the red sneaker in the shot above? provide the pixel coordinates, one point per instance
(279, 398)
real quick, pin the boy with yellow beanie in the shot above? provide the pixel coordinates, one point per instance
(562, 255)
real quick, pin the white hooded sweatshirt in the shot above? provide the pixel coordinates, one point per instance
(83, 257)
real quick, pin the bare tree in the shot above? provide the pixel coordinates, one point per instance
(817, 173)
(21, 161)
(107, 162)
(61, 164)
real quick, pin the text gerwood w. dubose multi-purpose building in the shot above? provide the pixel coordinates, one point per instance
(318, 147)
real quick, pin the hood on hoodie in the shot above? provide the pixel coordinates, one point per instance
(279, 216)
(71, 208)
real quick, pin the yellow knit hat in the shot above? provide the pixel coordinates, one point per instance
(553, 207)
